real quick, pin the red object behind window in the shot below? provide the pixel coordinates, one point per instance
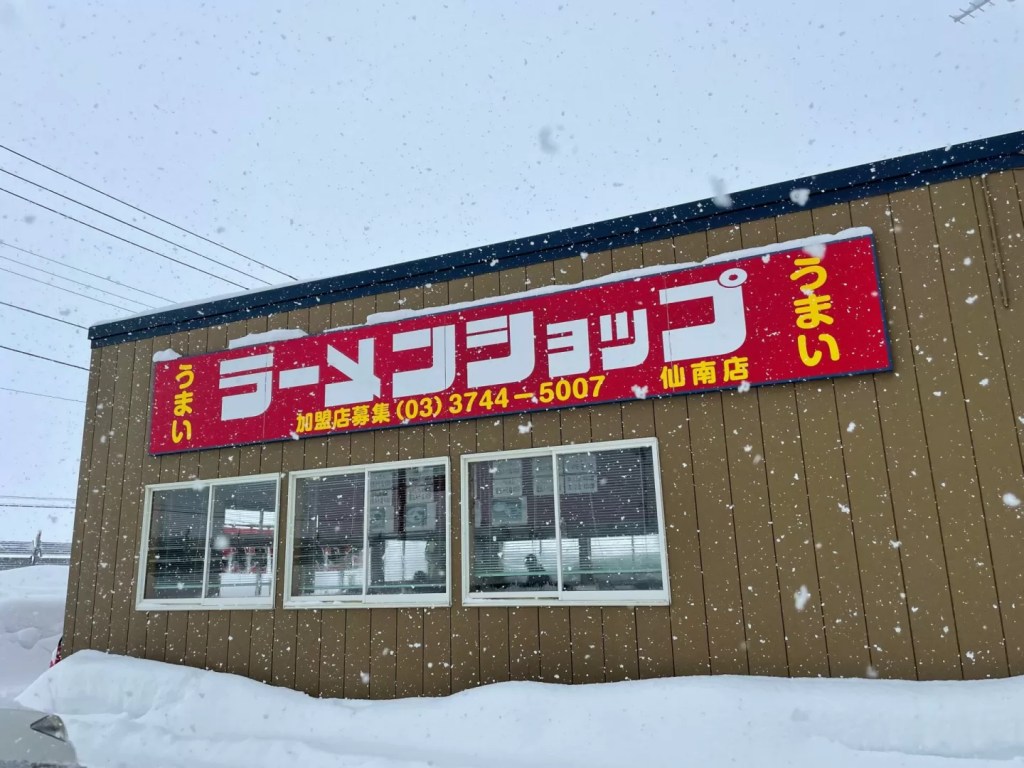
(58, 652)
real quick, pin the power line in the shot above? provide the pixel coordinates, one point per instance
(966, 13)
(48, 317)
(123, 239)
(76, 282)
(38, 506)
(85, 272)
(42, 357)
(37, 394)
(36, 498)
(133, 226)
(147, 213)
(66, 290)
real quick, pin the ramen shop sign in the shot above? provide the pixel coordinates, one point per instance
(800, 311)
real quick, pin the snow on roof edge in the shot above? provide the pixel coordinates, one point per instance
(846, 178)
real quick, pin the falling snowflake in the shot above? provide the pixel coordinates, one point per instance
(721, 197)
(801, 597)
(817, 250)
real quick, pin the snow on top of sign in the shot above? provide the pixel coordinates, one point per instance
(403, 314)
(394, 315)
(164, 355)
(266, 337)
(816, 244)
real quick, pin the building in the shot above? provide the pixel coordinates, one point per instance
(756, 465)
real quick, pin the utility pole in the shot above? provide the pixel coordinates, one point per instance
(37, 549)
(975, 6)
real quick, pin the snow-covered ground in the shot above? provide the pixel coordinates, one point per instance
(127, 712)
(31, 622)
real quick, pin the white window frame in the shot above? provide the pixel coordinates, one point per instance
(204, 603)
(407, 600)
(563, 598)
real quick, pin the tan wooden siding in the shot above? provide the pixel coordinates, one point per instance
(880, 499)
(85, 473)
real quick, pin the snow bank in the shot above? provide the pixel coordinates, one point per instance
(127, 712)
(31, 622)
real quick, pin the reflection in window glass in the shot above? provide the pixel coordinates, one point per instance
(211, 541)
(376, 533)
(327, 553)
(242, 535)
(177, 543)
(608, 506)
(607, 537)
(513, 543)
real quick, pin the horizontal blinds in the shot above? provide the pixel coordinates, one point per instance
(406, 530)
(243, 530)
(513, 543)
(327, 553)
(177, 543)
(609, 520)
(608, 525)
(376, 532)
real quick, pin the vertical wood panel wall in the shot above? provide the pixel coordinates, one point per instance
(887, 498)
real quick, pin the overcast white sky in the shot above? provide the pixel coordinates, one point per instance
(322, 138)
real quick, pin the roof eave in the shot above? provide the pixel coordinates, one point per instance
(906, 172)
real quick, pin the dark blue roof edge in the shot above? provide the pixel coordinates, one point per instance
(908, 172)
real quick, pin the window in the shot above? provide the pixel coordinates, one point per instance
(369, 535)
(575, 524)
(209, 544)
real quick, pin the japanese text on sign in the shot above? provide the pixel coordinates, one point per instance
(778, 316)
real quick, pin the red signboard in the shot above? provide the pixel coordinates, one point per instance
(802, 311)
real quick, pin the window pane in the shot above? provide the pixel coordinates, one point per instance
(328, 535)
(407, 530)
(609, 520)
(242, 537)
(513, 543)
(177, 543)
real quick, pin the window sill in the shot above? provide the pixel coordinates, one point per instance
(568, 600)
(373, 601)
(158, 606)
